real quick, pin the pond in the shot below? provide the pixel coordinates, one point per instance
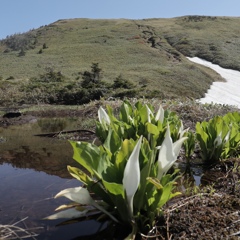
(32, 170)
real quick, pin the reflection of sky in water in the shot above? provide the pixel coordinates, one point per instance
(27, 193)
(30, 167)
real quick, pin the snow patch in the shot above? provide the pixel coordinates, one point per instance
(222, 92)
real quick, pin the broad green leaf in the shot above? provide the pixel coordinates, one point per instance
(123, 153)
(86, 154)
(144, 114)
(113, 142)
(79, 175)
(153, 129)
(166, 194)
(116, 192)
(125, 112)
(114, 188)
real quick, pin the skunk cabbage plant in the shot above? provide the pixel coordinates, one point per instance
(219, 138)
(128, 172)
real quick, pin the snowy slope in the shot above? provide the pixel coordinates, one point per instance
(222, 92)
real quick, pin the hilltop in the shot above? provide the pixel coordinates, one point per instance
(135, 58)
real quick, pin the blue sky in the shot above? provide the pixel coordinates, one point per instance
(19, 16)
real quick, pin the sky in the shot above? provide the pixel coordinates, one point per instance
(18, 16)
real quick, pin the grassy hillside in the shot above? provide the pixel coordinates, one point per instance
(149, 54)
(215, 39)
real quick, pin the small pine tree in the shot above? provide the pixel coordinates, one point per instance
(92, 78)
(96, 72)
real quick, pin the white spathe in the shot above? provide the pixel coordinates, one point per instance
(103, 116)
(168, 153)
(222, 92)
(131, 175)
(82, 196)
(160, 114)
(69, 214)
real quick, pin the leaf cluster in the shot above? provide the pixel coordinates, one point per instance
(105, 164)
(219, 138)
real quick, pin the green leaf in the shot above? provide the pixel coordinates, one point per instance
(153, 129)
(79, 175)
(114, 188)
(86, 154)
(123, 154)
(113, 142)
(125, 112)
(116, 192)
(166, 194)
(92, 185)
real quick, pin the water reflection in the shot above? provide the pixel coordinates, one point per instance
(22, 149)
(27, 193)
(52, 125)
(32, 170)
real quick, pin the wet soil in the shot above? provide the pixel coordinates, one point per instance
(209, 211)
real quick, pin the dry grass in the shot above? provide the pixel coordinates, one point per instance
(12, 231)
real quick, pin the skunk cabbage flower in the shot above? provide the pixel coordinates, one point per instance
(226, 139)
(181, 132)
(69, 213)
(168, 153)
(218, 140)
(103, 116)
(79, 195)
(149, 112)
(131, 176)
(160, 114)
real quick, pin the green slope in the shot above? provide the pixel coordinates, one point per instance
(150, 53)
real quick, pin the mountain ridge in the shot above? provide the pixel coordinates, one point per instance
(150, 53)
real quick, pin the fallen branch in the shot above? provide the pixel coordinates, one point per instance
(63, 132)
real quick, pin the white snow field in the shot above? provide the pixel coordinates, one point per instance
(222, 92)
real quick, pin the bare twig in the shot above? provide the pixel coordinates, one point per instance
(12, 231)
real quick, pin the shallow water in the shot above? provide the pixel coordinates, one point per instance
(32, 170)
